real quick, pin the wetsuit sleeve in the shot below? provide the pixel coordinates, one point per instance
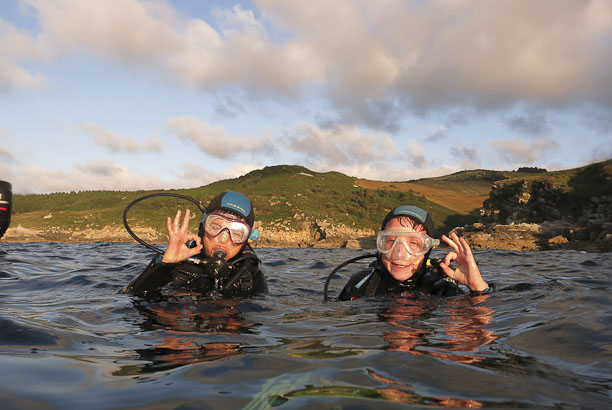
(153, 277)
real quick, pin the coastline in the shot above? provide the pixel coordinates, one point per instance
(514, 237)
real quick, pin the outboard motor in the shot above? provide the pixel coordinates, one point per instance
(5, 206)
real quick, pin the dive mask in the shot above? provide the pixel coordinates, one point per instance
(416, 243)
(239, 232)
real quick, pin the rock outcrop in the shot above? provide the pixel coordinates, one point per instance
(535, 215)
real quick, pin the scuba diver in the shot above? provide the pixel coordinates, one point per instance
(402, 261)
(217, 262)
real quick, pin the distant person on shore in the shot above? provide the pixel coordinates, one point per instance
(402, 261)
(218, 262)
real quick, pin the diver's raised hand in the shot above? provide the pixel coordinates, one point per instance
(467, 271)
(178, 236)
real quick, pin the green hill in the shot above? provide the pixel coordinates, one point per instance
(280, 194)
(291, 195)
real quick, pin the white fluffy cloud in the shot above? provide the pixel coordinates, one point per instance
(108, 175)
(373, 59)
(520, 151)
(215, 140)
(340, 144)
(115, 143)
(425, 56)
(356, 72)
(5, 154)
(17, 49)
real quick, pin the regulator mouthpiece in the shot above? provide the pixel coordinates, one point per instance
(219, 255)
(217, 265)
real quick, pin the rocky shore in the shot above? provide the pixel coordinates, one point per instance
(532, 215)
(513, 236)
(522, 215)
(317, 234)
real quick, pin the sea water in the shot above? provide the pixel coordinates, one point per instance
(70, 340)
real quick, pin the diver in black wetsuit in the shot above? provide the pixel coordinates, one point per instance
(217, 262)
(403, 264)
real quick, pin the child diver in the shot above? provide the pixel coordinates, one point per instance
(402, 261)
(218, 262)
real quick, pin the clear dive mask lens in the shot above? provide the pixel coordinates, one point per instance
(238, 231)
(415, 243)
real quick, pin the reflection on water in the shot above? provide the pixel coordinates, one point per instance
(460, 332)
(179, 316)
(69, 339)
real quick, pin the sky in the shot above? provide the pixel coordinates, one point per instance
(135, 94)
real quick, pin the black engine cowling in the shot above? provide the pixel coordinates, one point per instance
(6, 197)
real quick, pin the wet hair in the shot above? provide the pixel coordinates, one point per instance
(408, 222)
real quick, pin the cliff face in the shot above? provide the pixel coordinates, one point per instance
(535, 214)
(523, 201)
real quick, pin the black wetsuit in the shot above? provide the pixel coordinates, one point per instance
(241, 276)
(430, 279)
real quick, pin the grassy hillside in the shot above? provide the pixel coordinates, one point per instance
(280, 194)
(462, 192)
(291, 195)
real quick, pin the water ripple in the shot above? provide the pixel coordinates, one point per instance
(69, 339)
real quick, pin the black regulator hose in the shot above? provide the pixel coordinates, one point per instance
(127, 208)
(342, 265)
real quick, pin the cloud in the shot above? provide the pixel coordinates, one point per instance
(438, 134)
(599, 118)
(107, 29)
(373, 62)
(94, 175)
(534, 123)
(182, 50)
(435, 55)
(6, 154)
(416, 155)
(468, 157)
(214, 139)
(339, 144)
(16, 50)
(603, 153)
(103, 174)
(228, 107)
(114, 143)
(517, 151)
(194, 175)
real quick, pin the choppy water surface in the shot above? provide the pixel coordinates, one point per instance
(69, 339)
